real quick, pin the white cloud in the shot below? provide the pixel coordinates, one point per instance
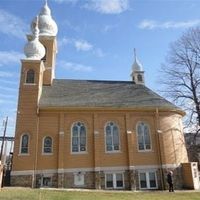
(69, 25)
(83, 45)
(108, 28)
(5, 74)
(79, 44)
(66, 1)
(107, 6)
(12, 25)
(152, 24)
(99, 53)
(75, 66)
(7, 57)
(64, 41)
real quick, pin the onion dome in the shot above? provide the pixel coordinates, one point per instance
(34, 50)
(137, 66)
(46, 24)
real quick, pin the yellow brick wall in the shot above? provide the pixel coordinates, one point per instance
(173, 143)
(51, 124)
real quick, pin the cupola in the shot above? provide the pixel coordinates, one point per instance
(46, 24)
(34, 50)
(137, 73)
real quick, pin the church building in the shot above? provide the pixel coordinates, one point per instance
(91, 133)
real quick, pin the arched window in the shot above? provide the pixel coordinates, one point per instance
(112, 137)
(47, 145)
(30, 76)
(139, 77)
(143, 136)
(24, 144)
(78, 137)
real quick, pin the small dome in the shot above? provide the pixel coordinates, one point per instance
(137, 66)
(46, 24)
(34, 49)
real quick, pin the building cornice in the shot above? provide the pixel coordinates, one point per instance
(116, 109)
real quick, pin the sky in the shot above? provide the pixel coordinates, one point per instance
(96, 40)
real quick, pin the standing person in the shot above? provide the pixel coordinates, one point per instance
(170, 181)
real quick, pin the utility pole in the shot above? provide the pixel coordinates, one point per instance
(3, 140)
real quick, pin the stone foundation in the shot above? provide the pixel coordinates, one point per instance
(21, 180)
(177, 177)
(96, 180)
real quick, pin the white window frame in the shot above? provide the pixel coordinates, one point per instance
(45, 153)
(114, 180)
(46, 176)
(105, 136)
(26, 77)
(20, 147)
(82, 176)
(148, 179)
(79, 152)
(143, 150)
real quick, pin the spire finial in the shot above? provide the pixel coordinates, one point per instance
(46, 2)
(34, 49)
(135, 53)
(36, 29)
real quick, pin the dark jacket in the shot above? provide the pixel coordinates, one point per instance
(169, 178)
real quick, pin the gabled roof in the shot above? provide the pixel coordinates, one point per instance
(98, 94)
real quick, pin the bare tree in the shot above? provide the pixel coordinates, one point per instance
(181, 79)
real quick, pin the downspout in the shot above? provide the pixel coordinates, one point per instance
(37, 124)
(158, 132)
(36, 151)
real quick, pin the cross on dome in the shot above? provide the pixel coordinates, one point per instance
(45, 9)
(137, 73)
(137, 66)
(34, 50)
(46, 24)
(36, 30)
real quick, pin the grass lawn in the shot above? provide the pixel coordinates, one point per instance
(42, 194)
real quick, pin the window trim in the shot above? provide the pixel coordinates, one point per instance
(112, 151)
(148, 180)
(139, 78)
(82, 174)
(46, 176)
(114, 180)
(79, 152)
(20, 147)
(143, 150)
(45, 153)
(30, 84)
(25, 81)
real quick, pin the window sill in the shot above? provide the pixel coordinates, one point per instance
(77, 153)
(30, 84)
(23, 154)
(111, 152)
(47, 154)
(145, 151)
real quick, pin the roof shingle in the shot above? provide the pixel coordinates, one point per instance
(94, 94)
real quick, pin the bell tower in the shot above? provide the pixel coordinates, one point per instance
(137, 71)
(30, 90)
(47, 36)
